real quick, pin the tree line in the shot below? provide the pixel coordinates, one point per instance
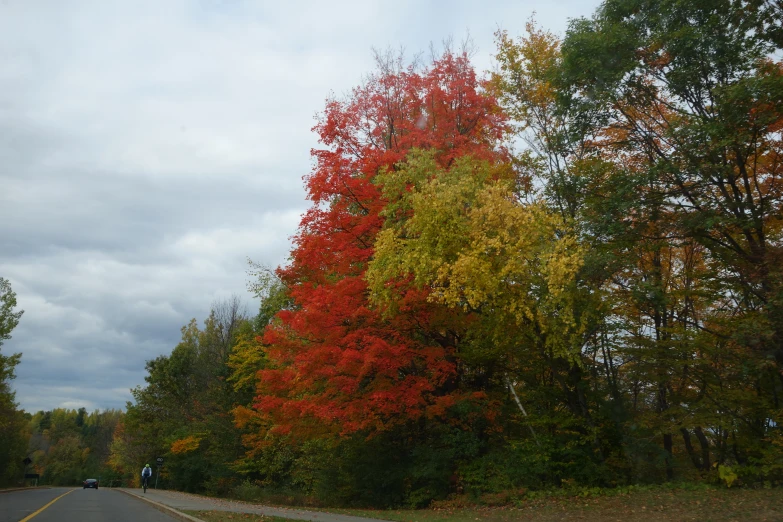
(62, 446)
(564, 273)
(68, 446)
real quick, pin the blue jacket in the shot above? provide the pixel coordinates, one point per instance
(146, 472)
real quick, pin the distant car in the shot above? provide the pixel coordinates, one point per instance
(90, 483)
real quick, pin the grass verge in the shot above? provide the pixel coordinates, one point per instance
(648, 505)
(665, 505)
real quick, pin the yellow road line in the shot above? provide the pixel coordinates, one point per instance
(28, 517)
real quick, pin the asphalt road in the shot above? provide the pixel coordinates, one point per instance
(77, 505)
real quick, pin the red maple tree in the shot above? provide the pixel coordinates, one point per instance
(336, 361)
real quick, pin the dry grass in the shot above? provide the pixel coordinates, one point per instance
(718, 504)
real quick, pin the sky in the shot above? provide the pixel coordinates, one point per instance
(148, 149)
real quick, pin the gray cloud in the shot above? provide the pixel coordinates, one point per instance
(148, 148)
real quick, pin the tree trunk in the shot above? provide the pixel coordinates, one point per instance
(686, 438)
(705, 448)
(667, 446)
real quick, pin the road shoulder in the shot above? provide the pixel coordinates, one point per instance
(192, 502)
(162, 507)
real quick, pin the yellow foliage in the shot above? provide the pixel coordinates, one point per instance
(245, 359)
(727, 475)
(524, 80)
(466, 237)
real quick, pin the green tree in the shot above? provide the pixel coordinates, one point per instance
(691, 89)
(66, 462)
(654, 127)
(185, 410)
(9, 317)
(13, 435)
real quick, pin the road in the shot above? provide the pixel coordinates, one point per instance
(76, 505)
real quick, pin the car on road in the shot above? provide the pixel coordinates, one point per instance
(90, 483)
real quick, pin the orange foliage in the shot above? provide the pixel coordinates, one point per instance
(186, 445)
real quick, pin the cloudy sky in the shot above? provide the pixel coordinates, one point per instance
(149, 148)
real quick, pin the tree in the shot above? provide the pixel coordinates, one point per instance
(654, 128)
(337, 365)
(464, 234)
(508, 268)
(8, 317)
(13, 437)
(185, 410)
(716, 148)
(68, 445)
